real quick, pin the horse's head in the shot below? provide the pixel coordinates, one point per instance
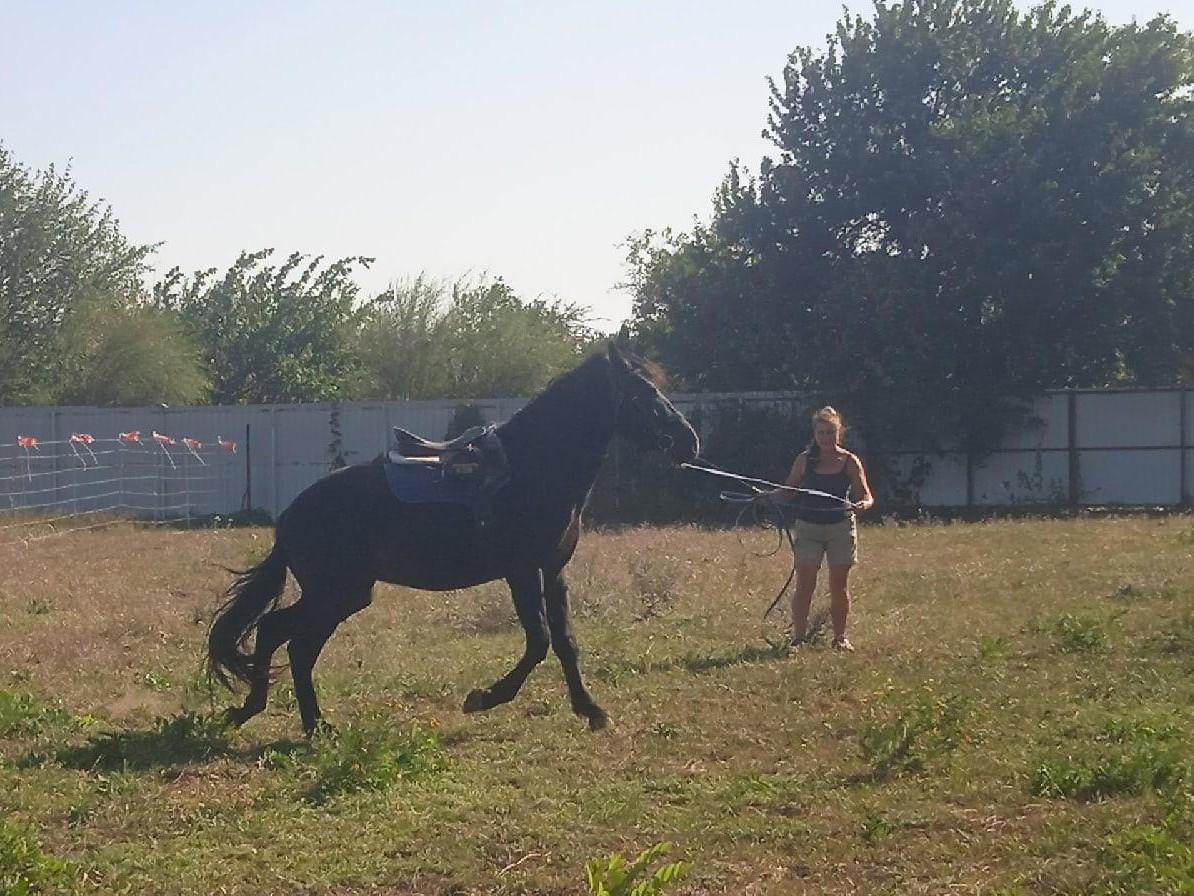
(644, 415)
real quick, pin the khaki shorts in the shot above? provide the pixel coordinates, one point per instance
(838, 542)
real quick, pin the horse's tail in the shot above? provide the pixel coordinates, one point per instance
(252, 595)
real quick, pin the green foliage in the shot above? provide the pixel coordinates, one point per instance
(905, 741)
(271, 333)
(876, 826)
(132, 357)
(60, 253)
(400, 342)
(1093, 778)
(371, 755)
(1153, 857)
(1077, 634)
(968, 202)
(614, 876)
(426, 339)
(992, 646)
(1126, 757)
(24, 868)
(23, 715)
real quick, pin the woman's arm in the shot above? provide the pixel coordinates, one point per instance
(795, 477)
(861, 487)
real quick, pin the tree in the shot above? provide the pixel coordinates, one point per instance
(272, 333)
(424, 339)
(60, 253)
(502, 345)
(401, 342)
(131, 357)
(969, 204)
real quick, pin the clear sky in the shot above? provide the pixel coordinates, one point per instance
(520, 139)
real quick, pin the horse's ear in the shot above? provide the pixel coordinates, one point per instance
(617, 359)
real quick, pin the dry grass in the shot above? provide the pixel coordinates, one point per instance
(984, 651)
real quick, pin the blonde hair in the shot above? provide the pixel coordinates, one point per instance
(827, 414)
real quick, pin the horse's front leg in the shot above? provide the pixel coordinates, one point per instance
(563, 641)
(527, 590)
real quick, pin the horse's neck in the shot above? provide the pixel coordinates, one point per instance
(561, 437)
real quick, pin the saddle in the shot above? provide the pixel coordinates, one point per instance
(408, 445)
(467, 470)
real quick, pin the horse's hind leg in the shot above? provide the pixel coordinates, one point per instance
(527, 591)
(563, 641)
(274, 630)
(318, 619)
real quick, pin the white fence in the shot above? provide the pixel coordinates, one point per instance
(1081, 447)
(1130, 447)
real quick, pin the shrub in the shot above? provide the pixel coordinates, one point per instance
(614, 876)
(364, 756)
(22, 715)
(1077, 634)
(927, 728)
(24, 868)
(1127, 757)
(1153, 858)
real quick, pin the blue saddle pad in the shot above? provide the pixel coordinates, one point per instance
(427, 483)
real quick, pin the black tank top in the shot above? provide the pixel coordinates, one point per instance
(815, 508)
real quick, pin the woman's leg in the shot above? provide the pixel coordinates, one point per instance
(802, 599)
(839, 607)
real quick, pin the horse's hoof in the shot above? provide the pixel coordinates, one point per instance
(475, 701)
(321, 728)
(235, 716)
(598, 721)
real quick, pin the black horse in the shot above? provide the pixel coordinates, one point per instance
(347, 531)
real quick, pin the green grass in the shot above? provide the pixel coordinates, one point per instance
(1017, 719)
(23, 714)
(24, 868)
(918, 730)
(368, 755)
(1127, 757)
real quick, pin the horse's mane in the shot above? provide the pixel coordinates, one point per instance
(649, 370)
(575, 383)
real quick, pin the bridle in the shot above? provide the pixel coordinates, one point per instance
(663, 441)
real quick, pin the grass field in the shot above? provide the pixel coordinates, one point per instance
(1018, 719)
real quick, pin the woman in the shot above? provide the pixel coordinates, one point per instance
(825, 526)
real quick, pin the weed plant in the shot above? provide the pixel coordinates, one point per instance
(614, 876)
(912, 734)
(365, 755)
(25, 869)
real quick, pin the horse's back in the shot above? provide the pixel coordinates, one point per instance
(347, 525)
